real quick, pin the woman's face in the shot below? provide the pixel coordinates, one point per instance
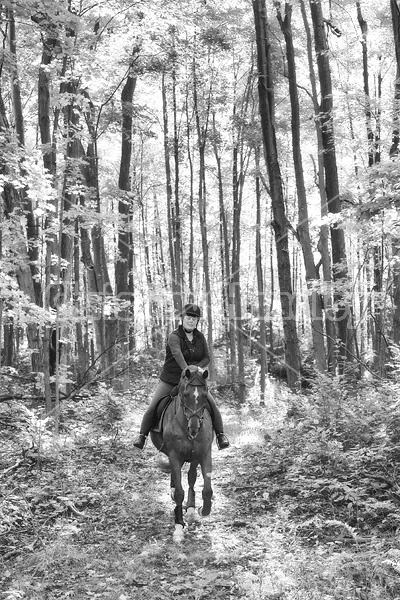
(189, 322)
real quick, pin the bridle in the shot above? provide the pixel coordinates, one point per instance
(192, 414)
(189, 412)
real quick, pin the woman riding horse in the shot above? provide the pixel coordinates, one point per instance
(186, 346)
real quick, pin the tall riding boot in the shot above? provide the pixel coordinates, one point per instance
(140, 441)
(163, 389)
(147, 423)
(222, 440)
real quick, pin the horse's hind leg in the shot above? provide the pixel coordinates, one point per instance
(206, 469)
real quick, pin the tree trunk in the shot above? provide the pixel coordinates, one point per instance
(324, 237)
(340, 273)
(74, 154)
(2, 353)
(176, 294)
(9, 344)
(373, 151)
(266, 102)
(314, 295)
(235, 273)
(395, 12)
(49, 162)
(48, 148)
(74, 177)
(378, 319)
(229, 311)
(105, 318)
(13, 208)
(26, 203)
(260, 284)
(123, 290)
(191, 202)
(240, 161)
(32, 223)
(396, 292)
(394, 151)
(82, 350)
(201, 129)
(176, 225)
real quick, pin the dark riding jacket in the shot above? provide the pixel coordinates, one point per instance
(180, 353)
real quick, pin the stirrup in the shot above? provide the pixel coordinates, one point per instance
(222, 441)
(140, 441)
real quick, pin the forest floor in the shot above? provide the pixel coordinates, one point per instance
(87, 516)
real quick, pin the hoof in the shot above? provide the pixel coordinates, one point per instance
(178, 534)
(203, 512)
(191, 515)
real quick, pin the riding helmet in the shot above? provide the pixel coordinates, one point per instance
(192, 310)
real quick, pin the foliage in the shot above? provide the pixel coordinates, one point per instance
(201, 48)
(339, 454)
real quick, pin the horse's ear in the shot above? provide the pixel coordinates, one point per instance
(187, 373)
(205, 374)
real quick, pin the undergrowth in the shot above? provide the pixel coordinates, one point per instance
(307, 506)
(340, 454)
(331, 465)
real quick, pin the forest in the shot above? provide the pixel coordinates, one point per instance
(243, 159)
(243, 156)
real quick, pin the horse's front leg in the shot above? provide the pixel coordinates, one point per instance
(192, 476)
(206, 470)
(179, 494)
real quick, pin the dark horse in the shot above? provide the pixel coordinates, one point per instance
(186, 435)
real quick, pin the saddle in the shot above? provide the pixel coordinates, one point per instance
(161, 407)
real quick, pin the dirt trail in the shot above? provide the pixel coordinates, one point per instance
(231, 554)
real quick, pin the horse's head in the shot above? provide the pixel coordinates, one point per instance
(193, 396)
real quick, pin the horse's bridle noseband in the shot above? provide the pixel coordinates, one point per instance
(194, 413)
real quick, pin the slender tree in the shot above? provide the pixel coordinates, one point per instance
(314, 295)
(394, 153)
(174, 259)
(202, 122)
(340, 270)
(240, 158)
(229, 308)
(324, 237)
(260, 281)
(123, 288)
(176, 225)
(266, 102)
